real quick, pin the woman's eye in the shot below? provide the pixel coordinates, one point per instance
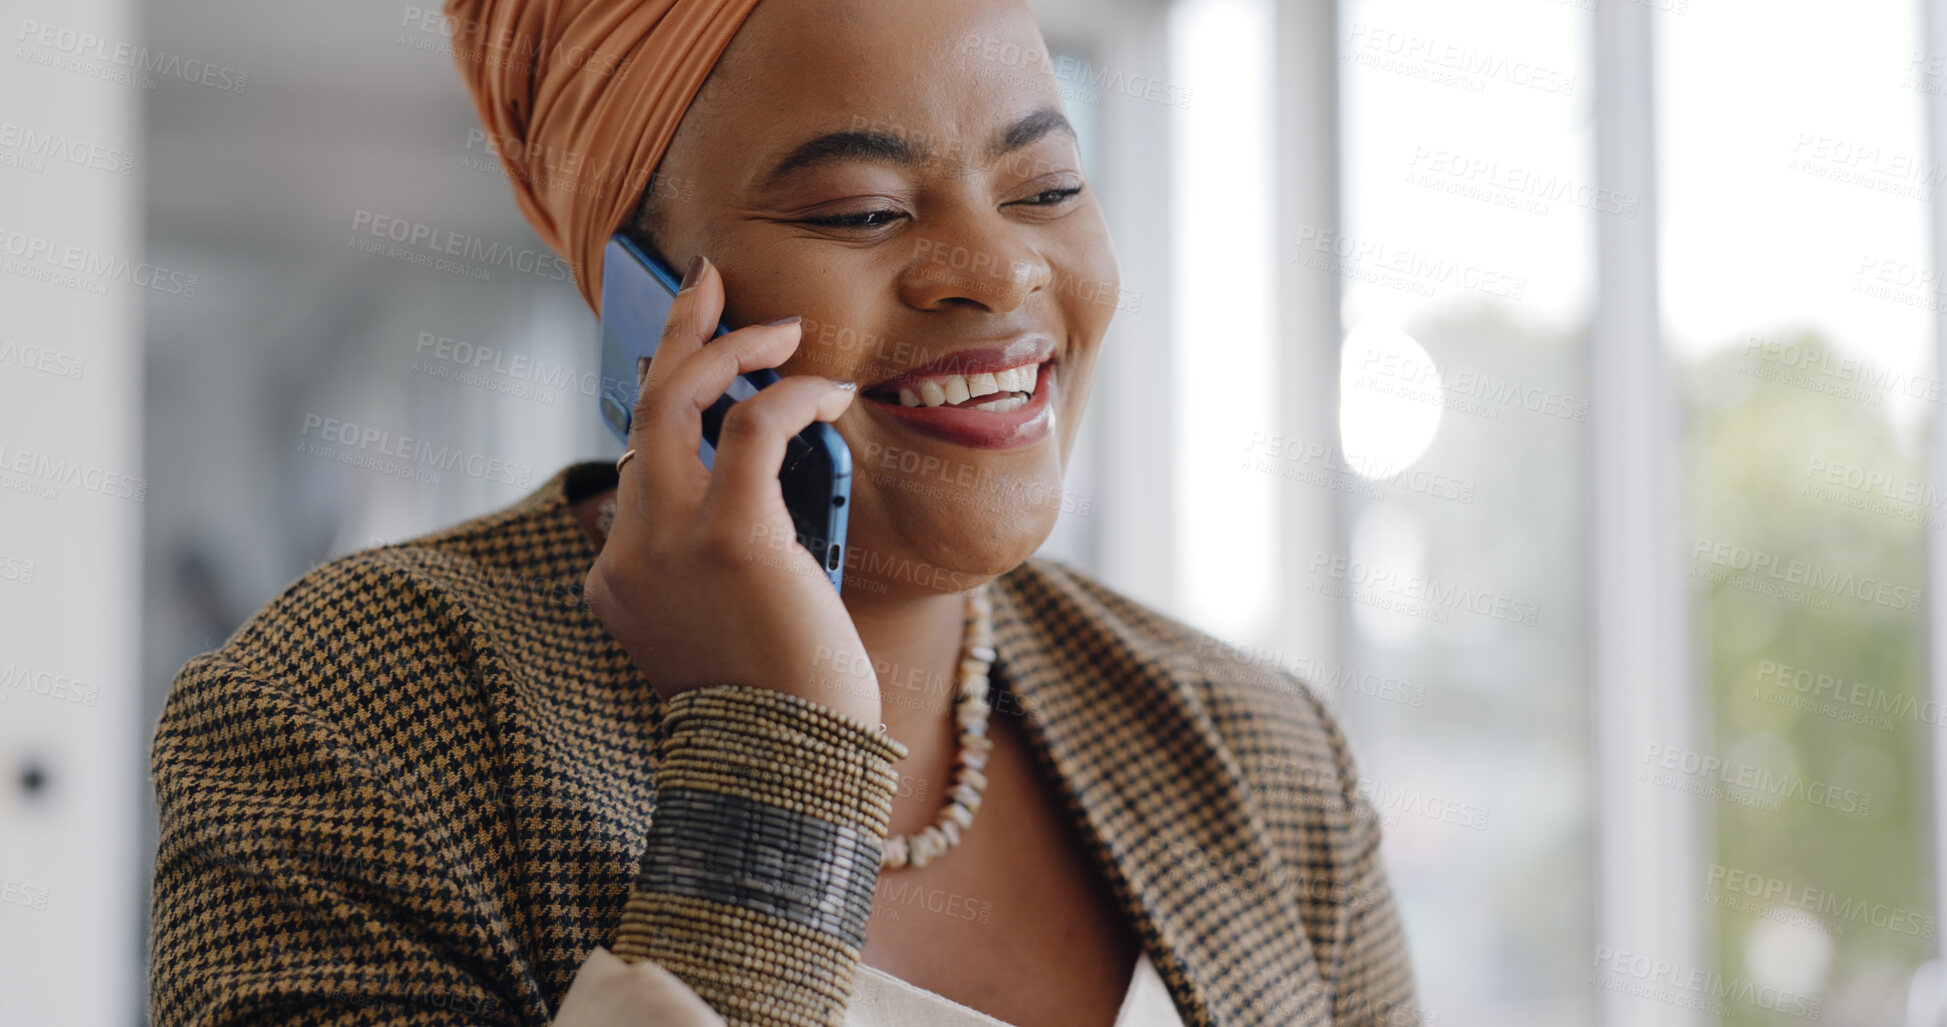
(881, 218)
(1052, 196)
(865, 219)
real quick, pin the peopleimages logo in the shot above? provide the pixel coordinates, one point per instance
(1071, 69)
(1223, 660)
(472, 249)
(19, 893)
(1664, 980)
(1821, 370)
(59, 146)
(77, 45)
(36, 256)
(1705, 772)
(1818, 900)
(498, 370)
(497, 45)
(17, 570)
(1516, 185)
(1444, 63)
(1394, 800)
(17, 677)
(1758, 564)
(1862, 699)
(38, 473)
(1811, 152)
(1393, 266)
(1413, 594)
(1495, 391)
(40, 358)
(375, 442)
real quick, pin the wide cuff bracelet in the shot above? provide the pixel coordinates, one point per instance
(762, 852)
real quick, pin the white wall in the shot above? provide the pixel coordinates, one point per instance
(72, 284)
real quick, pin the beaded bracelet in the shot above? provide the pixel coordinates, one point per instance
(762, 853)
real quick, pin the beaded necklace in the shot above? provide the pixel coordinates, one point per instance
(970, 709)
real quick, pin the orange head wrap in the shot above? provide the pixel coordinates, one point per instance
(582, 98)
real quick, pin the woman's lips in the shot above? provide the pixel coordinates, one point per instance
(1025, 425)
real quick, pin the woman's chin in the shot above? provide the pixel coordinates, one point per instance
(935, 549)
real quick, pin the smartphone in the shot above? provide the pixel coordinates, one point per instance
(638, 291)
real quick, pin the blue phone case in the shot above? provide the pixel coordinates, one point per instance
(638, 291)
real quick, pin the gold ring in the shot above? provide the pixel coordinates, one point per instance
(623, 459)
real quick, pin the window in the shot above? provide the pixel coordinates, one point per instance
(1799, 298)
(1467, 256)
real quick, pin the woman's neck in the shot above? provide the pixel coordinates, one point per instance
(914, 643)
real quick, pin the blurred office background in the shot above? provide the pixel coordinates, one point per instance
(1553, 383)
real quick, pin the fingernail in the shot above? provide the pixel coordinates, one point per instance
(847, 385)
(791, 320)
(641, 370)
(695, 272)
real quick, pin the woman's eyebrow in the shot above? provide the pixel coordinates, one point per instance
(901, 149)
(1027, 130)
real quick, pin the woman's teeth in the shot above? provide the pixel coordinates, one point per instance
(945, 389)
(1011, 401)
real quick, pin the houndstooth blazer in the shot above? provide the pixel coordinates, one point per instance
(416, 788)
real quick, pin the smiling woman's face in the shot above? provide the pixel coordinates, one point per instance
(899, 173)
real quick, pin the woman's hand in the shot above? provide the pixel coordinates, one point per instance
(702, 579)
(609, 992)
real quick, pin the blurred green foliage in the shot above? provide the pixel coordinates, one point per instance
(1826, 692)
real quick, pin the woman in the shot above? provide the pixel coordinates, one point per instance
(620, 754)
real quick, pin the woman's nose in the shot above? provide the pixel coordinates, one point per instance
(991, 270)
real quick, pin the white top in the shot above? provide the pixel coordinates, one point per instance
(881, 1000)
